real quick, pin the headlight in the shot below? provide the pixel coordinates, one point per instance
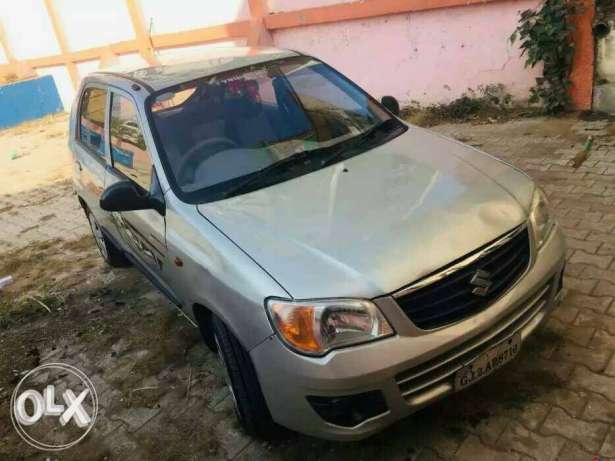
(316, 327)
(540, 218)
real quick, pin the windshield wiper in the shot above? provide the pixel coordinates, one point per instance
(244, 186)
(359, 140)
(331, 153)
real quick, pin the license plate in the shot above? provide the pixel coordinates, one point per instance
(488, 362)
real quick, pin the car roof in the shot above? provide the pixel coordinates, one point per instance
(173, 71)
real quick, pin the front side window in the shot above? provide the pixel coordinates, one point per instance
(92, 119)
(242, 130)
(128, 150)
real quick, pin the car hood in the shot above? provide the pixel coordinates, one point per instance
(377, 221)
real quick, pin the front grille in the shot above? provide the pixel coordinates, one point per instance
(459, 290)
(419, 382)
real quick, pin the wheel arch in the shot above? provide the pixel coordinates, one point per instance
(204, 320)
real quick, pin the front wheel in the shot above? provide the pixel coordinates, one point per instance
(110, 253)
(240, 375)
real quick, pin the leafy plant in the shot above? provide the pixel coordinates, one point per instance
(546, 37)
(495, 95)
(486, 98)
(486, 102)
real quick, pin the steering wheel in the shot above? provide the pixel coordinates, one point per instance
(190, 157)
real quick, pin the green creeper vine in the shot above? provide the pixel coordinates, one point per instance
(546, 37)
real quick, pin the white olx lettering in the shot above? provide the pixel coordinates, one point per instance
(45, 405)
(51, 407)
(38, 405)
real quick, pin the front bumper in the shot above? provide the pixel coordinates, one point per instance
(413, 368)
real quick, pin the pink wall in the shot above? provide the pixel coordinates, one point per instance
(277, 6)
(429, 57)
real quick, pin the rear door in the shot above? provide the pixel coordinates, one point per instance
(90, 148)
(142, 231)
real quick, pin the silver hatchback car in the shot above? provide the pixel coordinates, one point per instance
(349, 268)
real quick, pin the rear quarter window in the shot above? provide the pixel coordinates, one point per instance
(92, 120)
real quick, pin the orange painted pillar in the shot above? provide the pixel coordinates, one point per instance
(258, 34)
(73, 72)
(582, 75)
(141, 33)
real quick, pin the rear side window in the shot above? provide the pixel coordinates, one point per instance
(92, 119)
(128, 150)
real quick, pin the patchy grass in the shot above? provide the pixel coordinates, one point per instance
(28, 229)
(487, 104)
(6, 208)
(10, 309)
(17, 262)
(84, 243)
(44, 267)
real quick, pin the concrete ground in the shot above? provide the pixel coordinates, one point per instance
(162, 394)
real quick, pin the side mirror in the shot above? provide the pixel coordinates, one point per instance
(126, 196)
(391, 104)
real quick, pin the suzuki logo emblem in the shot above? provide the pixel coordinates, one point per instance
(481, 279)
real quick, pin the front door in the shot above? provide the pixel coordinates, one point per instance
(141, 231)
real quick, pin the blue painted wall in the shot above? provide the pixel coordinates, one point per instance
(27, 100)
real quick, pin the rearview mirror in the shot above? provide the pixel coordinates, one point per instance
(391, 104)
(125, 196)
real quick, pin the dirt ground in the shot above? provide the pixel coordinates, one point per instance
(34, 154)
(162, 394)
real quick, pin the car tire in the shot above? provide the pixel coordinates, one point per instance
(240, 375)
(109, 252)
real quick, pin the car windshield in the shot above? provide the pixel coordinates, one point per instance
(234, 132)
